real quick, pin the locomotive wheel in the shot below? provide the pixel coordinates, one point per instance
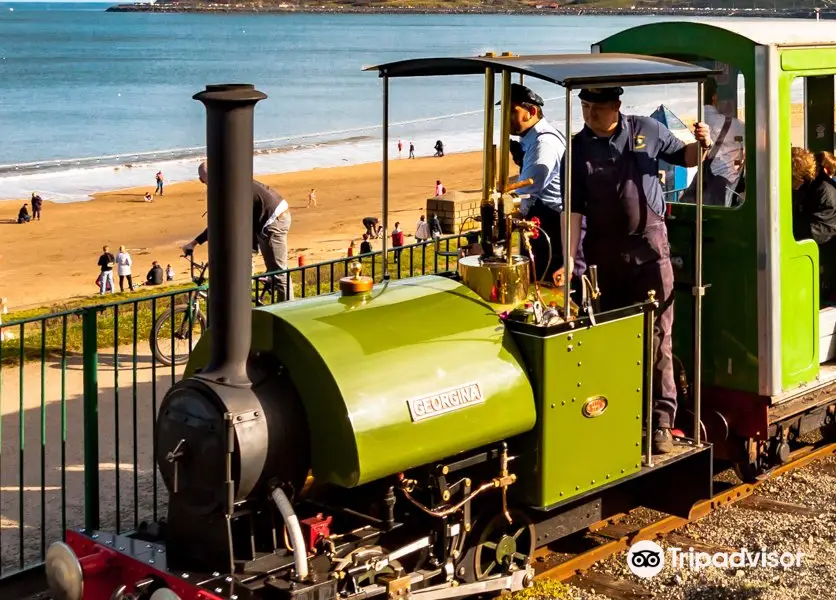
(501, 545)
(749, 472)
(756, 466)
(828, 428)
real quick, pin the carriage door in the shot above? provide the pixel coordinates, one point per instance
(812, 128)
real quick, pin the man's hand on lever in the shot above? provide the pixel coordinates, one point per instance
(702, 133)
(695, 153)
(558, 275)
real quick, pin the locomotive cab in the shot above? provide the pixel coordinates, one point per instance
(770, 372)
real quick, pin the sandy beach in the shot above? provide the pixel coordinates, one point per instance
(52, 260)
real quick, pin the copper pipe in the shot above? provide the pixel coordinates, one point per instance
(449, 511)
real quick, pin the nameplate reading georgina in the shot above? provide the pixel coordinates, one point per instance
(445, 401)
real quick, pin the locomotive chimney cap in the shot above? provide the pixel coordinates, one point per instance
(230, 92)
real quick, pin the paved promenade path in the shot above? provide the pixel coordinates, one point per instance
(42, 498)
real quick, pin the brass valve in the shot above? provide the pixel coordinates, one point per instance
(355, 283)
(525, 225)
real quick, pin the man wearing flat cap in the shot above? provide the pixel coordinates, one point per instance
(616, 189)
(542, 148)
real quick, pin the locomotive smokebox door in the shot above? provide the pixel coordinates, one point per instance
(218, 445)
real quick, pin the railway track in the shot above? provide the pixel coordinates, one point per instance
(615, 535)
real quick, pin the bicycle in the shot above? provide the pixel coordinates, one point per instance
(265, 290)
(192, 315)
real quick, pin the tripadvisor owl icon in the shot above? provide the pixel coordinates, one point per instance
(645, 559)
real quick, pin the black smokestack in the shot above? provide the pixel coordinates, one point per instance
(229, 151)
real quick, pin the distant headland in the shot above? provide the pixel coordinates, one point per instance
(719, 8)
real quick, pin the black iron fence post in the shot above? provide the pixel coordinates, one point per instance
(90, 360)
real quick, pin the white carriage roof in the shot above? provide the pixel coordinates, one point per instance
(780, 32)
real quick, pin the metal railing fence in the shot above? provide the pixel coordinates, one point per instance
(79, 393)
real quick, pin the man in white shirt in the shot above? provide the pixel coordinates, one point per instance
(724, 163)
(542, 148)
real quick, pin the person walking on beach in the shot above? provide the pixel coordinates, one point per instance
(123, 269)
(397, 239)
(312, 198)
(435, 227)
(106, 261)
(440, 190)
(37, 201)
(411, 150)
(400, 148)
(271, 225)
(422, 230)
(159, 183)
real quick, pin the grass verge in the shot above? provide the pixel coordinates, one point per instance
(125, 320)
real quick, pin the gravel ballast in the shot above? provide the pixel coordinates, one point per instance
(736, 527)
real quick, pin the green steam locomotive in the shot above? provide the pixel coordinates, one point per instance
(418, 438)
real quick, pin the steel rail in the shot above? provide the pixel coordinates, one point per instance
(582, 562)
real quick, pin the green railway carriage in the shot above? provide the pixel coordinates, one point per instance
(769, 372)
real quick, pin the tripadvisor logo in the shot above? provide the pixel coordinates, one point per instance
(647, 559)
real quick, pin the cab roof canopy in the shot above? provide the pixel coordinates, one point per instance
(567, 70)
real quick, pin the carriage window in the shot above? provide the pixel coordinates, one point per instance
(723, 171)
(812, 101)
(811, 157)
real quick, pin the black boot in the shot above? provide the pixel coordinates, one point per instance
(662, 440)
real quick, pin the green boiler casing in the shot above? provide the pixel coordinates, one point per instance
(411, 372)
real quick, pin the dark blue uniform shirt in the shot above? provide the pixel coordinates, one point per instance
(615, 179)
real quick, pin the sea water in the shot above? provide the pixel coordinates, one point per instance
(92, 101)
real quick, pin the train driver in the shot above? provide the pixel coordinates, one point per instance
(616, 188)
(542, 148)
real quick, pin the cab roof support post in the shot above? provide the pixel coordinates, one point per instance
(567, 205)
(503, 227)
(386, 175)
(487, 211)
(699, 290)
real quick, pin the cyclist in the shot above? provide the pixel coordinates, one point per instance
(271, 224)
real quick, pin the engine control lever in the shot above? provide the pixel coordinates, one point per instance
(174, 457)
